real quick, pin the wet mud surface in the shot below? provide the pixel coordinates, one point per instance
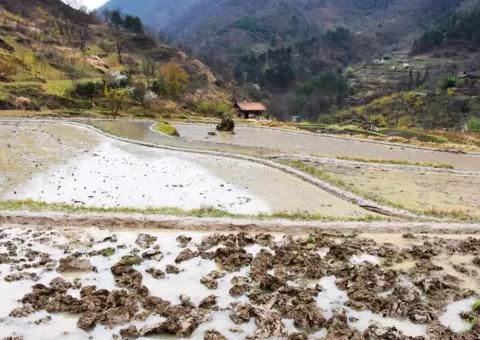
(81, 167)
(413, 190)
(100, 283)
(28, 149)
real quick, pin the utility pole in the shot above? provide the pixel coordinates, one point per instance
(245, 74)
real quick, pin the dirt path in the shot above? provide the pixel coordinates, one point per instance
(375, 166)
(139, 221)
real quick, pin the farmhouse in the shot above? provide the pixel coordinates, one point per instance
(250, 110)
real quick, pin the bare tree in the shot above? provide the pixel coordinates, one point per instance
(119, 44)
(131, 68)
(83, 37)
(149, 68)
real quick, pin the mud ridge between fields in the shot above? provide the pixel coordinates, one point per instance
(140, 221)
(343, 194)
(371, 165)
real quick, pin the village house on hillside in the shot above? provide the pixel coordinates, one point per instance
(250, 110)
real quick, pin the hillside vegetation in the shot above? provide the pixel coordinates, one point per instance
(459, 29)
(313, 58)
(53, 57)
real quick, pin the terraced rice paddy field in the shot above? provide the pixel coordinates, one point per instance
(101, 259)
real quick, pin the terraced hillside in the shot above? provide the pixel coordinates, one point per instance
(53, 57)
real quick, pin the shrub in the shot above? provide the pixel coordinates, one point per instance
(213, 108)
(227, 124)
(115, 99)
(379, 120)
(90, 90)
(448, 82)
(150, 97)
(337, 37)
(7, 69)
(166, 128)
(160, 86)
(474, 124)
(176, 79)
(116, 80)
(327, 83)
(138, 92)
(133, 24)
(349, 72)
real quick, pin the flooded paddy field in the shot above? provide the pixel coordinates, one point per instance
(61, 163)
(141, 131)
(29, 150)
(418, 191)
(122, 283)
(327, 146)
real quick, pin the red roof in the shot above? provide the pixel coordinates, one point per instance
(246, 106)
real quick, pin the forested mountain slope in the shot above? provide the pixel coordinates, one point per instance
(53, 57)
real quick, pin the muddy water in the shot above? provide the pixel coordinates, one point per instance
(117, 174)
(291, 142)
(141, 130)
(65, 326)
(17, 244)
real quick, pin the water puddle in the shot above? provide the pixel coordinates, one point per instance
(332, 299)
(451, 317)
(62, 325)
(110, 176)
(460, 266)
(364, 258)
(104, 248)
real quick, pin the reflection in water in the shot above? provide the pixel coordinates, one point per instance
(265, 142)
(140, 130)
(324, 145)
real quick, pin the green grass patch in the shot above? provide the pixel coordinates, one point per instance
(319, 173)
(476, 306)
(349, 129)
(203, 212)
(166, 128)
(131, 260)
(474, 124)
(416, 135)
(107, 252)
(399, 162)
(456, 214)
(58, 87)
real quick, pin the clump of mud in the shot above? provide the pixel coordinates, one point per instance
(252, 286)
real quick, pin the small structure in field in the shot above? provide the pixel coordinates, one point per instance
(227, 124)
(250, 110)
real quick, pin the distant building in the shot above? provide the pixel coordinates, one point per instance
(469, 75)
(296, 119)
(250, 110)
